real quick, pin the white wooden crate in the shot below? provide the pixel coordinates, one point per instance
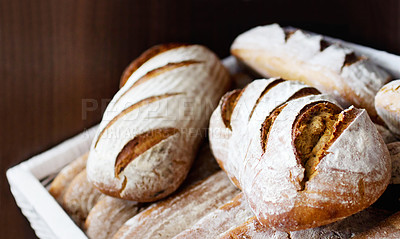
(29, 179)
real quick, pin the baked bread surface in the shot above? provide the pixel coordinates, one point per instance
(300, 160)
(178, 212)
(151, 130)
(61, 182)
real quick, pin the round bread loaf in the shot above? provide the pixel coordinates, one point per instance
(300, 160)
(387, 104)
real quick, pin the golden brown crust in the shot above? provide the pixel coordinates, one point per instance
(229, 101)
(178, 212)
(323, 44)
(61, 182)
(80, 198)
(352, 58)
(272, 116)
(304, 92)
(108, 215)
(145, 56)
(304, 216)
(311, 131)
(288, 33)
(266, 126)
(139, 145)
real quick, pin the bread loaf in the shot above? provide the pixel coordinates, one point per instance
(80, 198)
(300, 160)
(155, 57)
(65, 176)
(108, 215)
(151, 130)
(231, 214)
(295, 55)
(178, 212)
(387, 103)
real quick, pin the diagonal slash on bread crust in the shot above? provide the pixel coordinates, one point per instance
(266, 126)
(158, 71)
(138, 104)
(140, 144)
(315, 129)
(265, 91)
(147, 55)
(229, 101)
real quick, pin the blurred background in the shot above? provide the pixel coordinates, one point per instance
(58, 55)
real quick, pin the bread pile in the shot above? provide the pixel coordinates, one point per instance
(308, 151)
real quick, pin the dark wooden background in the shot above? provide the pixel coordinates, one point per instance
(56, 55)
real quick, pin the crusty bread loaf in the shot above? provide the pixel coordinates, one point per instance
(300, 160)
(154, 58)
(108, 215)
(295, 55)
(80, 198)
(151, 130)
(231, 214)
(387, 103)
(65, 176)
(178, 212)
